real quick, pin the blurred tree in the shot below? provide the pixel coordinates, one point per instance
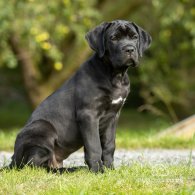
(38, 37)
(46, 40)
(167, 77)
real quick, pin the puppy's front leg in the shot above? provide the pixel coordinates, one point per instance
(108, 143)
(89, 128)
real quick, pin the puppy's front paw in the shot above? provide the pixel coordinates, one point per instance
(96, 166)
(108, 164)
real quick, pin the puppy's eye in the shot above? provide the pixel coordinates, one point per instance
(114, 38)
(134, 37)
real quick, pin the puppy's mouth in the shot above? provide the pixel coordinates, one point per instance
(131, 62)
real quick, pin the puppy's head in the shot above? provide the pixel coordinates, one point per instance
(122, 42)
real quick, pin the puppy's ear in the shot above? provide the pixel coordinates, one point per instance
(144, 39)
(96, 38)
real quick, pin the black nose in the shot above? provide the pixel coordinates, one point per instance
(129, 49)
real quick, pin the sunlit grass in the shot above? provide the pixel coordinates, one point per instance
(133, 132)
(7, 139)
(136, 179)
(128, 140)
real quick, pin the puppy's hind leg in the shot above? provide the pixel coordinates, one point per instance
(32, 156)
(38, 157)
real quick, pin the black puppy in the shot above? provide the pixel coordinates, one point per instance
(85, 110)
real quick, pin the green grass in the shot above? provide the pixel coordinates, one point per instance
(134, 131)
(7, 139)
(134, 179)
(133, 140)
(137, 131)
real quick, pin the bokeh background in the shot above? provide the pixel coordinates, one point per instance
(42, 44)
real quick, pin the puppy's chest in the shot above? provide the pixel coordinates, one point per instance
(114, 98)
(118, 97)
(120, 90)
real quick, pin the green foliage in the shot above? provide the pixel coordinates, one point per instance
(167, 76)
(52, 34)
(14, 113)
(44, 29)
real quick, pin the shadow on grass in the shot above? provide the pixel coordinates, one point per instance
(50, 170)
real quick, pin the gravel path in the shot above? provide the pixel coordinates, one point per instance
(127, 157)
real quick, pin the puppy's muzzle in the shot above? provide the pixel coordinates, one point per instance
(129, 49)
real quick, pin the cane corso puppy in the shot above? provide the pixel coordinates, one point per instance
(85, 109)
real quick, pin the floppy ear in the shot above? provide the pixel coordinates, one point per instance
(96, 38)
(144, 39)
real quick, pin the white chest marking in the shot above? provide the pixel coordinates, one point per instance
(118, 100)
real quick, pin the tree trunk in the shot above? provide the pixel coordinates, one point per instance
(29, 73)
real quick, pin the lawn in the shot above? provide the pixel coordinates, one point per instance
(136, 179)
(134, 131)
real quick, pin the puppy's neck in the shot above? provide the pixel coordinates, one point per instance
(121, 70)
(104, 69)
